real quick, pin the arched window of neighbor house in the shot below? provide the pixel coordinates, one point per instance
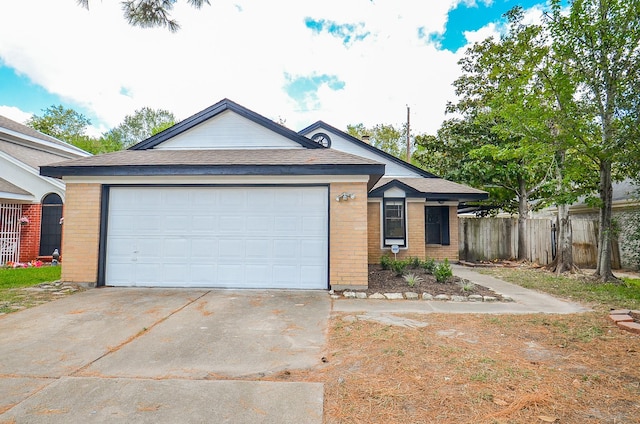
(50, 228)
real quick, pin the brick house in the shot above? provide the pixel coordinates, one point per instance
(30, 204)
(229, 198)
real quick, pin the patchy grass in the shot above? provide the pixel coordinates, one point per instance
(576, 287)
(25, 277)
(23, 288)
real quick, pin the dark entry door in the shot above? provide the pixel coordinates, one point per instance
(50, 228)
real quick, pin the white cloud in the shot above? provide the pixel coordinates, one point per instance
(242, 51)
(14, 113)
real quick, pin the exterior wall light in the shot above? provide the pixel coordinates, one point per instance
(345, 196)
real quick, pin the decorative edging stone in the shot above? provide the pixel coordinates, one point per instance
(350, 294)
(625, 319)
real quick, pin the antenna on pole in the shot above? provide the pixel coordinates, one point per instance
(408, 134)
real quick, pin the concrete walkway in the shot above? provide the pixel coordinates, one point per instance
(525, 301)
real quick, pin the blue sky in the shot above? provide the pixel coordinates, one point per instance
(364, 62)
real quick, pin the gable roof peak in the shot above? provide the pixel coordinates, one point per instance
(367, 146)
(215, 110)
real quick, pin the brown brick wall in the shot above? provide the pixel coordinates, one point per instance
(81, 232)
(348, 232)
(30, 233)
(450, 252)
(415, 233)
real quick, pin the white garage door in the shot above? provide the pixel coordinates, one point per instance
(274, 237)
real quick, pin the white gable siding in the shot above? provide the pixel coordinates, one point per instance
(228, 131)
(392, 169)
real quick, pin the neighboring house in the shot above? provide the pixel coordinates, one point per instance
(30, 204)
(229, 198)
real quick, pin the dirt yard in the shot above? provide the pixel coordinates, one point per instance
(482, 369)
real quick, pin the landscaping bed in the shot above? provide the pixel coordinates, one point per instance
(425, 285)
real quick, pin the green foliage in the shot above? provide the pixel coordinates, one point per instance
(466, 286)
(429, 265)
(385, 262)
(61, 123)
(142, 124)
(399, 266)
(385, 137)
(412, 279)
(415, 262)
(151, 13)
(443, 271)
(25, 277)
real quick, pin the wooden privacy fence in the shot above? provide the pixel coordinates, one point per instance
(497, 238)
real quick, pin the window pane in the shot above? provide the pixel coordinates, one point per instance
(394, 222)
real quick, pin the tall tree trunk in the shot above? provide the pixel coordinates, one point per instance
(603, 269)
(564, 251)
(563, 261)
(523, 215)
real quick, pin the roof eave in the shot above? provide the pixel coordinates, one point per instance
(373, 170)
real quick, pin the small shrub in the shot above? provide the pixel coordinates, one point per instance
(429, 265)
(412, 279)
(385, 262)
(399, 266)
(414, 262)
(443, 271)
(466, 286)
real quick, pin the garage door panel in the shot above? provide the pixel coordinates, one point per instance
(231, 249)
(175, 249)
(285, 275)
(256, 274)
(258, 248)
(311, 275)
(232, 224)
(218, 237)
(313, 225)
(261, 224)
(204, 248)
(204, 273)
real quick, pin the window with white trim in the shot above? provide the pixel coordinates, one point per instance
(394, 222)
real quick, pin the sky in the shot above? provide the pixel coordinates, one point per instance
(340, 61)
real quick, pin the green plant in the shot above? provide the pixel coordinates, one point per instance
(385, 262)
(412, 279)
(429, 265)
(466, 286)
(443, 271)
(415, 262)
(398, 266)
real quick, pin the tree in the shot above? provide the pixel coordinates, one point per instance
(142, 124)
(385, 137)
(501, 142)
(60, 122)
(599, 42)
(151, 13)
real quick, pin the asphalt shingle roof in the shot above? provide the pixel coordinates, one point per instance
(219, 162)
(431, 185)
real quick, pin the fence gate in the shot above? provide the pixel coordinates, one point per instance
(9, 232)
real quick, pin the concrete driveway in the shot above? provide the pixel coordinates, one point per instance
(163, 356)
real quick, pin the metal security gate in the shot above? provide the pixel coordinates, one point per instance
(9, 232)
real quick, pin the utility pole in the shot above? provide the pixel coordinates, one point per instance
(408, 136)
